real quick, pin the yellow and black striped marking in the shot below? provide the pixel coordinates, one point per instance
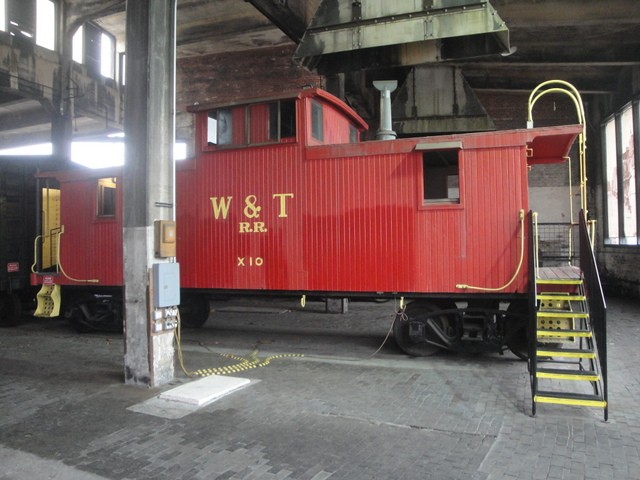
(243, 363)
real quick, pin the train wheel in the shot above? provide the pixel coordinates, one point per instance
(194, 310)
(88, 313)
(515, 329)
(416, 312)
(10, 309)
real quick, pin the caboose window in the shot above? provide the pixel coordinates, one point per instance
(257, 124)
(287, 119)
(441, 176)
(220, 127)
(107, 197)
(316, 121)
(353, 134)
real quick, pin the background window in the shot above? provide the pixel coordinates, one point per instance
(621, 157)
(46, 24)
(31, 20)
(21, 18)
(94, 48)
(3, 17)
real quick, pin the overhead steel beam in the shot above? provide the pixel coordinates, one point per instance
(282, 17)
(348, 35)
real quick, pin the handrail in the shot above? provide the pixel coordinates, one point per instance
(558, 241)
(57, 233)
(532, 322)
(536, 243)
(595, 299)
(568, 89)
(464, 286)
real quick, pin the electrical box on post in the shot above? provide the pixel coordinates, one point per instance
(164, 238)
(166, 284)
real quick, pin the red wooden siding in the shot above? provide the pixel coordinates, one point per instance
(90, 247)
(354, 223)
(337, 217)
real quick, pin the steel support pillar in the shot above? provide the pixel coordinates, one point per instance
(149, 180)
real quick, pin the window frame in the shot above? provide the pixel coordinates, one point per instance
(317, 120)
(92, 52)
(615, 162)
(106, 208)
(272, 136)
(425, 149)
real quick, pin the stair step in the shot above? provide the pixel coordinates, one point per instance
(561, 314)
(560, 296)
(565, 353)
(49, 301)
(541, 332)
(561, 398)
(558, 281)
(563, 374)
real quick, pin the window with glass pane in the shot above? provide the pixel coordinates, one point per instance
(106, 197)
(46, 24)
(441, 176)
(621, 160)
(613, 236)
(628, 177)
(317, 130)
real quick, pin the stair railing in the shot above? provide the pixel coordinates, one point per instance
(532, 323)
(595, 301)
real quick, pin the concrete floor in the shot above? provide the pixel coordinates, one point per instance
(321, 404)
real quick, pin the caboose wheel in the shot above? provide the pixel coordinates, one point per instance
(415, 317)
(194, 309)
(87, 312)
(10, 309)
(515, 328)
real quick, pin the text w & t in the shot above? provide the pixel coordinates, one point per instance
(251, 210)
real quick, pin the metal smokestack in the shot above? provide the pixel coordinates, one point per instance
(385, 132)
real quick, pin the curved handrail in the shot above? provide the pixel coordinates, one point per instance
(573, 93)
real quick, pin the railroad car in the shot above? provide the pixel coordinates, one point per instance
(17, 208)
(282, 197)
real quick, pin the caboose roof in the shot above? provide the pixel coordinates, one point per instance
(545, 144)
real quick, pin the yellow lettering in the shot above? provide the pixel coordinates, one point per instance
(221, 206)
(258, 227)
(255, 227)
(252, 261)
(283, 203)
(251, 210)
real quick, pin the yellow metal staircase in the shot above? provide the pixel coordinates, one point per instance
(567, 335)
(566, 364)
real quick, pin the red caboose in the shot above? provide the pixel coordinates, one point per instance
(282, 197)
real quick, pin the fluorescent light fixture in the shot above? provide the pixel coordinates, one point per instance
(91, 154)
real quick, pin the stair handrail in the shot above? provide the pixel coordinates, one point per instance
(595, 301)
(532, 323)
(536, 243)
(560, 86)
